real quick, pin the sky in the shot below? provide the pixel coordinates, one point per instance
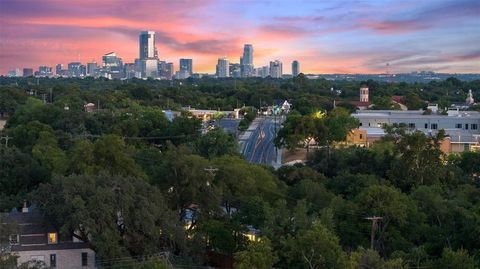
(324, 36)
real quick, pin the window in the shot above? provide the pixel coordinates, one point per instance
(14, 239)
(474, 126)
(37, 258)
(458, 126)
(53, 260)
(361, 136)
(411, 125)
(434, 126)
(361, 124)
(52, 238)
(466, 126)
(84, 259)
(426, 125)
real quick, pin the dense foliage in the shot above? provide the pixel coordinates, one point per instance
(132, 183)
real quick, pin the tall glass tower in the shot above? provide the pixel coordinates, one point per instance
(295, 68)
(246, 61)
(147, 45)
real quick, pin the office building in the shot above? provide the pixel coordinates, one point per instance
(92, 69)
(295, 68)
(112, 66)
(223, 68)
(45, 71)
(59, 70)
(27, 72)
(147, 45)
(149, 68)
(246, 61)
(148, 55)
(165, 70)
(234, 70)
(74, 69)
(129, 70)
(276, 69)
(462, 128)
(182, 74)
(186, 65)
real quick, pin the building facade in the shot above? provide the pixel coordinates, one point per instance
(295, 68)
(276, 69)
(37, 241)
(223, 68)
(246, 61)
(27, 72)
(186, 66)
(462, 128)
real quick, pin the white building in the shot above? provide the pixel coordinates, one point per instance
(223, 68)
(276, 69)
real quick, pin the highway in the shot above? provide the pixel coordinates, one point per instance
(257, 142)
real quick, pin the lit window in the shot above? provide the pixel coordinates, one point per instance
(52, 238)
(14, 239)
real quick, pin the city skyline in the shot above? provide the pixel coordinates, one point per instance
(339, 37)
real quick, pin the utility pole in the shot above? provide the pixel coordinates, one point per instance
(374, 220)
(6, 139)
(212, 171)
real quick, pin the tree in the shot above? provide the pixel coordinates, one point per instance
(258, 255)
(384, 103)
(452, 259)
(366, 259)
(116, 215)
(315, 248)
(19, 174)
(419, 160)
(217, 143)
(48, 154)
(113, 155)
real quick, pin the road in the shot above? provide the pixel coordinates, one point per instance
(257, 142)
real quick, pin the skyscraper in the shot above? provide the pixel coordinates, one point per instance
(112, 66)
(27, 72)
(148, 54)
(223, 68)
(74, 69)
(295, 68)
(147, 45)
(276, 69)
(92, 69)
(59, 70)
(246, 61)
(186, 65)
(45, 71)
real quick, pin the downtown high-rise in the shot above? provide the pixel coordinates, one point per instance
(295, 68)
(276, 69)
(246, 61)
(148, 55)
(223, 68)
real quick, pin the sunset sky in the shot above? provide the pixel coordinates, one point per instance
(325, 36)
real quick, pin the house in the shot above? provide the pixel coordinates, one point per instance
(35, 240)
